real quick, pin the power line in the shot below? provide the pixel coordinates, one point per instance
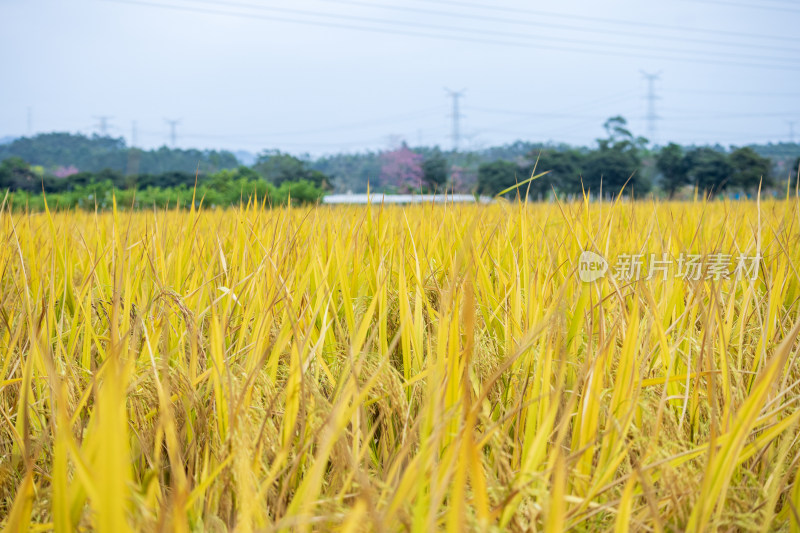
(725, 136)
(782, 2)
(593, 103)
(695, 115)
(735, 93)
(539, 24)
(472, 31)
(718, 133)
(594, 50)
(332, 129)
(415, 115)
(566, 112)
(619, 22)
(748, 6)
(456, 116)
(534, 114)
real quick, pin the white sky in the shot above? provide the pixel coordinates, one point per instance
(299, 76)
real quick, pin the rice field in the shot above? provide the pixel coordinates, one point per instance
(388, 368)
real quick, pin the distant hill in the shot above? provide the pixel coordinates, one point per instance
(56, 150)
(778, 150)
(6, 140)
(784, 157)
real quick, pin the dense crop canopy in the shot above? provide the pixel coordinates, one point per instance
(395, 368)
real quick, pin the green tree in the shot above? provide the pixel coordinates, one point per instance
(351, 172)
(16, 174)
(434, 171)
(498, 175)
(709, 169)
(617, 160)
(173, 178)
(277, 168)
(565, 170)
(749, 169)
(611, 170)
(672, 164)
(299, 192)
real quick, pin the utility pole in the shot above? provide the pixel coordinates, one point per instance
(651, 116)
(102, 124)
(172, 125)
(456, 115)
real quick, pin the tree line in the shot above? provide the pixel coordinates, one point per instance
(275, 178)
(619, 159)
(622, 160)
(80, 168)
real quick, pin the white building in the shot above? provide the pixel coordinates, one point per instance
(380, 198)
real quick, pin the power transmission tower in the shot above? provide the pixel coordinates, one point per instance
(102, 124)
(133, 134)
(30, 121)
(651, 116)
(456, 115)
(791, 130)
(172, 125)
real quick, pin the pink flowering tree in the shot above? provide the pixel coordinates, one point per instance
(63, 172)
(401, 169)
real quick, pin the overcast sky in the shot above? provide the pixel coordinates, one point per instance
(322, 76)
